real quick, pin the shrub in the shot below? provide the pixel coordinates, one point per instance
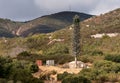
(114, 58)
(105, 36)
(75, 79)
(34, 68)
(91, 74)
(85, 58)
(62, 76)
(3, 80)
(36, 41)
(17, 71)
(107, 66)
(97, 52)
(102, 78)
(57, 49)
(113, 77)
(53, 72)
(24, 54)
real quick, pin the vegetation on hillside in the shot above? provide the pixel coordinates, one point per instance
(44, 24)
(8, 28)
(103, 53)
(14, 71)
(101, 72)
(106, 23)
(50, 23)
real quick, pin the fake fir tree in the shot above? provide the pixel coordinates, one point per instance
(76, 38)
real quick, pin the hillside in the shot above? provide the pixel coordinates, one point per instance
(106, 23)
(44, 24)
(103, 53)
(49, 23)
(8, 28)
(109, 24)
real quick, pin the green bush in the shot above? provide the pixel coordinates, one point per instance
(36, 41)
(72, 78)
(75, 79)
(102, 78)
(85, 58)
(3, 80)
(62, 76)
(17, 71)
(107, 66)
(113, 77)
(60, 59)
(114, 58)
(105, 36)
(97, 52)
(29, 56)
(57, 49)
(24, 54)
(34, 68)
(91, 74)
(102, 71)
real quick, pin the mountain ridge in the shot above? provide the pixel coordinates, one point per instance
(51, 22)
(44, 24)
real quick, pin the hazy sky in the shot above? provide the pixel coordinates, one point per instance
(23, 10)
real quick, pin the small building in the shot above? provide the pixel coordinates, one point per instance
(50, 63)
(80, 64)
(105, 34)
(39, 62)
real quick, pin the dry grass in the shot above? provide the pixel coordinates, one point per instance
(59, 70)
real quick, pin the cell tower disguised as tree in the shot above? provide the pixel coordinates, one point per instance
(76, 38)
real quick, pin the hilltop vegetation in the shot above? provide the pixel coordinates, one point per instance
(44, 24)
(107, 23)
(50, 23)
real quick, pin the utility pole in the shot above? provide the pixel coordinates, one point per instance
(76, 38)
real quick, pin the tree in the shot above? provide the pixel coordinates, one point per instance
(76, 37)
(34, 68)
(17, 71)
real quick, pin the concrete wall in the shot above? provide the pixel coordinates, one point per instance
(50, 63)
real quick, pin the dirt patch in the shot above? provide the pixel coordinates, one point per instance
(60, 70)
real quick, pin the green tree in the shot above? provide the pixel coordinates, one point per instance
(34, 68)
